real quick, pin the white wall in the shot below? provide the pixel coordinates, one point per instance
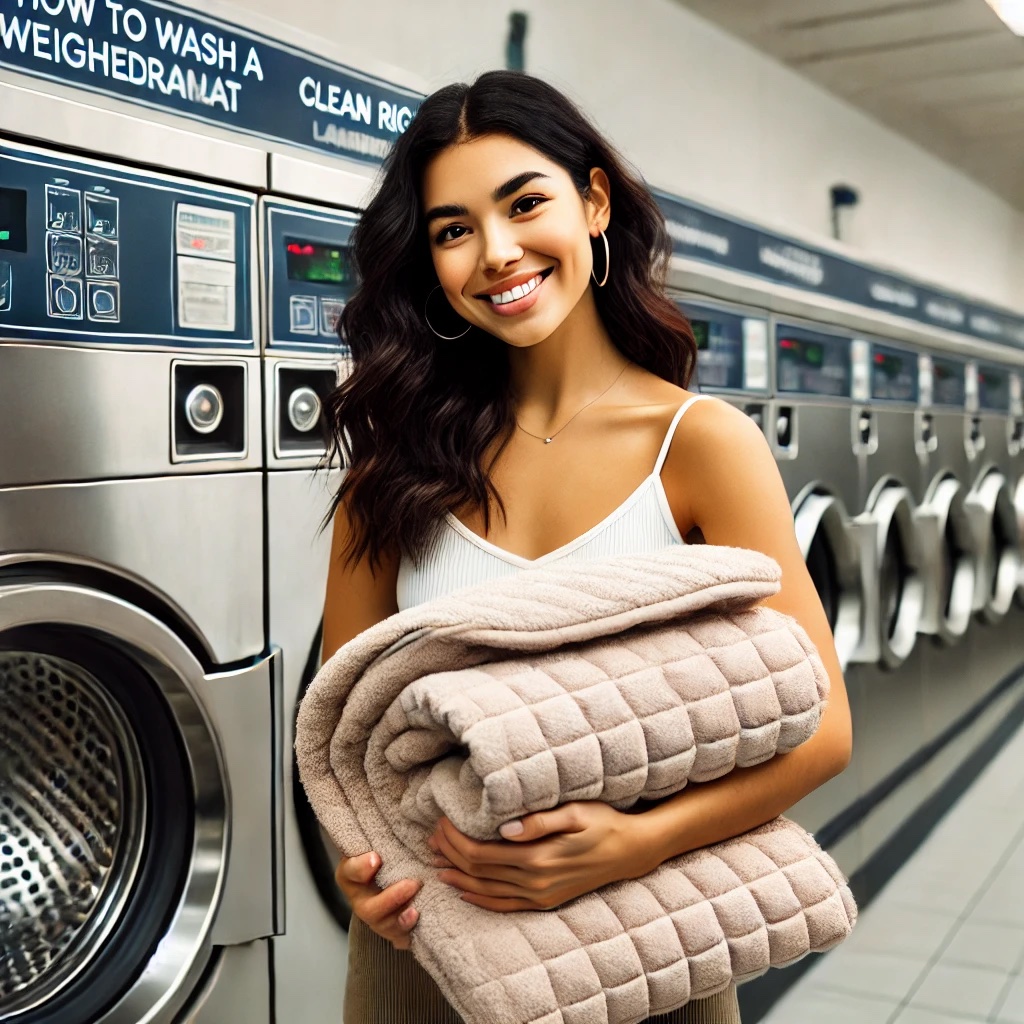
(704, 115)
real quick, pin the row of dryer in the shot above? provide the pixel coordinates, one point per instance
(905, 468)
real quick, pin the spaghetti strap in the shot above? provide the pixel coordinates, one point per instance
(667, 443)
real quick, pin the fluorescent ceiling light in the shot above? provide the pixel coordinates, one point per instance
(1012, 12)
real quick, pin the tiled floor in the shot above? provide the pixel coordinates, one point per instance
(944, 941)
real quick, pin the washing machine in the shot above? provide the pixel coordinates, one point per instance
(996, 651)
(952, 680)
(889, 722)
(988, 443)
(818, 449)
(308, 276)
(1016, 449)
(137, 834)
(732, 354)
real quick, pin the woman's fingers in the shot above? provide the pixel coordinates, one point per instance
(385, 911)
(360, 870)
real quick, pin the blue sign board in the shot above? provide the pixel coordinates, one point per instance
(711, 237)
(166, 56)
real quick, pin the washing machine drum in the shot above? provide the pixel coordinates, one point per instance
(109, 849)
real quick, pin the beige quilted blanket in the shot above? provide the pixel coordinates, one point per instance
(618, 680)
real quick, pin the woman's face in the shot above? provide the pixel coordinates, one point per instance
(510, 236)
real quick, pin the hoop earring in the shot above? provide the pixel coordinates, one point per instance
(445, 337)
(607, 264)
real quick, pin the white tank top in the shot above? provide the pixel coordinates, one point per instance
(459, 558)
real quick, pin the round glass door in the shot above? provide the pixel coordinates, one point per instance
(950, 556)
(898, 564)
(998, 536)
(823, 533)
(112, 811)
(1018, 505)
(321, 853)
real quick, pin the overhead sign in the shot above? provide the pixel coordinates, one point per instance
(166, 56)
(708, 235)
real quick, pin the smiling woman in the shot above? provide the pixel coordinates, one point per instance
(518, 371)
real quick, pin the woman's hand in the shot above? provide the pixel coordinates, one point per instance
(560, 854)
(386, 911)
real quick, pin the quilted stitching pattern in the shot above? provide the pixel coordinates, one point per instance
(631, 717)
(626, 677)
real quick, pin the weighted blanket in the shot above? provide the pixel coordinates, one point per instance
(621, 679)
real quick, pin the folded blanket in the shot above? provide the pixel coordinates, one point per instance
(614, 680)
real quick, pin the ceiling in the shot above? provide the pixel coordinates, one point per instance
(946, 73)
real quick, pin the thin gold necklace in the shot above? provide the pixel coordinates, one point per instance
(548, 440)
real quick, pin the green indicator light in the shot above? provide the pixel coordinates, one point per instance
(5, 236)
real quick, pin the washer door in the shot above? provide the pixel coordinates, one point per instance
(896, 564)
(1018, 505)
(823, 533)
(949, 553)
(321, 853)
(112, 814)
(992, 512)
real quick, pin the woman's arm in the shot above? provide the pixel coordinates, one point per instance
(727, 484)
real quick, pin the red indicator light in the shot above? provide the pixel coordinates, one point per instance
(879, 358)
(786, 343)
(294, 248)
(308, 250)
(198, 243)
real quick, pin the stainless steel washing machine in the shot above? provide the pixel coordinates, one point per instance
(1016, 448)
(813, 429)
(889, 723)
(137, 858)
(307, 278)
(733, 354)
(890, 494)
(819, 448)
(990, 503)
(951, 679)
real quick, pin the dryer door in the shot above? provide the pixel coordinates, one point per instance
(997, 534)
(823, 532)
(114, 810)
(949, 557)
(895, 561)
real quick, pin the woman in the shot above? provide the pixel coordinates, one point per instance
(518, 373)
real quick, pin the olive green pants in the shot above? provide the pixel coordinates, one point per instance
(387, 986)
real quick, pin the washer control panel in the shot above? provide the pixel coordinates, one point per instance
(309, 273)
(91, 252)
(895, 374)
(732, 348)
(813, 362)
(946, 378)
(994, 388)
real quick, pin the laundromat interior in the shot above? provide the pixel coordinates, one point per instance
(843, 185)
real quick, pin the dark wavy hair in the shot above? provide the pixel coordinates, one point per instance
(413, 420)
